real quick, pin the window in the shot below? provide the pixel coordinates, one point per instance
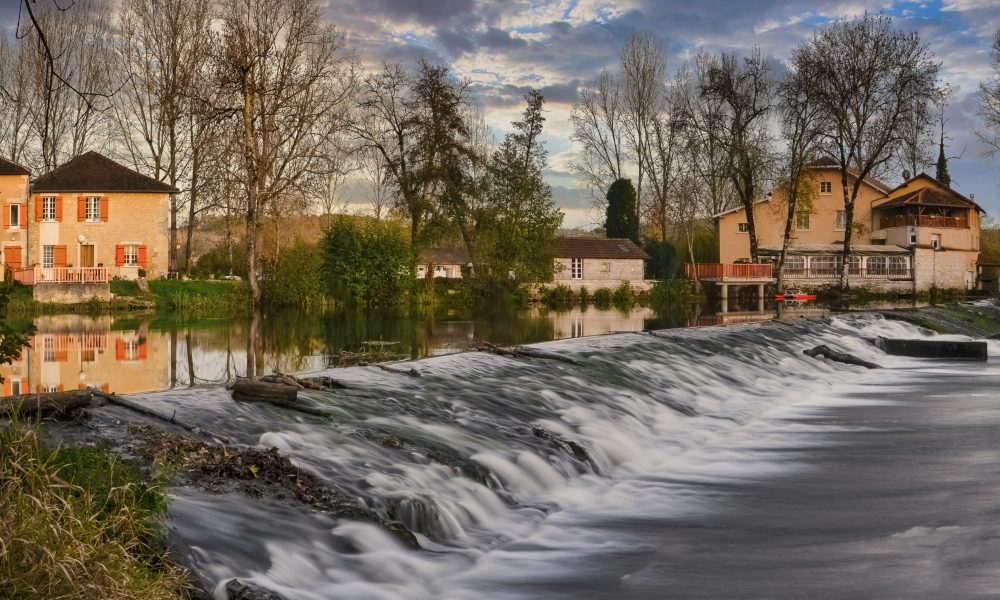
(826, 187)
(876, 265)
(853, 265)
(132, 256)
(15, 216)
(49, 208)
(576, 268)
(49, 349)
(743, 227)
(15, 387)
(802, 220)
(936, 241)
(823, 265)
(93, 208)
(897, 265)
(841, 222)
(913, 237)
(48, 256)
(795, 265)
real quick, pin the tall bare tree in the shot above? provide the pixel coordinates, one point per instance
(708, 155)
(599, 130)
(280, 69)
(870, 80)
(743, 89)
(666, 146)
(989, 110)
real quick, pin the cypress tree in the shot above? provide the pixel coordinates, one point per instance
(942, 167)
(621, 219)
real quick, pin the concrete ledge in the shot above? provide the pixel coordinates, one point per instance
(934, 349)
(70, 293)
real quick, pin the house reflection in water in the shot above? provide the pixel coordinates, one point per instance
(578, 323)
(70, 352)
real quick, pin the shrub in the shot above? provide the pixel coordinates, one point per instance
(367, 261)
(662, 263)
(623, 296)
(296, 278)
(560, 296)
(584, 297)
(602, 298)
(215, 262)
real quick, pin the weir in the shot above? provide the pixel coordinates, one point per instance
(514, 470)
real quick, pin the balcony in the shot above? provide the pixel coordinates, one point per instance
(43, 275)
(888, 221)
(887, 273)
(749, 272)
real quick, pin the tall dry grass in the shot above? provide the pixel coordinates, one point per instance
(77, 524)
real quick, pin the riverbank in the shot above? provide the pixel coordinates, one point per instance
(376, 447)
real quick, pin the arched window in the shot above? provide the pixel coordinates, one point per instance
(876, 265)
(897, 265)
(795, 265)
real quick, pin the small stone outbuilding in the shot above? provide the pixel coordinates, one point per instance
(596, 263)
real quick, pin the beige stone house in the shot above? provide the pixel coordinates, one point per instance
(13, 195)
(446, 263)
(596, 263)
(919, 235)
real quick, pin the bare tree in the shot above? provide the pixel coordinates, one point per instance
(280, 71)
(666, 145)
(870, 80)
(743, 88)
(599, 128)
(708, 155)
(378, 187)
(15, 99)
(989, 110)
(643, 63)
(801, 123)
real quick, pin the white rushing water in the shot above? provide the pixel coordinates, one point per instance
(499, 511)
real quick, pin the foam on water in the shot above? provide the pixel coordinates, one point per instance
(656, 415)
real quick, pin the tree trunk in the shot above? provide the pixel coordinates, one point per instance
(849, 195)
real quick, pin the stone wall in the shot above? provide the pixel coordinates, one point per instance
(944, 268)
(602, 273)
(70, 293)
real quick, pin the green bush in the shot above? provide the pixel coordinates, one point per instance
(216, 263)
(124, 287)
(662, 263)
(296, 278)
(560, 296)
(602, 298)
(623, 296)
(367, 261)
(584, 297)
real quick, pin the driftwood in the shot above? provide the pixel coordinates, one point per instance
(841, 357)
(278, 394)
(525, 352)
(411, 372)
(47, 403)
(303, 383)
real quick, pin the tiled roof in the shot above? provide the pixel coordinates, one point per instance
(12, 168)
(598, 248)
(93, 172)
(929, 196)
(444, 256)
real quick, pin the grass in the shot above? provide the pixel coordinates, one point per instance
(78, 523)
(200, 296)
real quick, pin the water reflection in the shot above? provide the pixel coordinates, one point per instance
(129, 355)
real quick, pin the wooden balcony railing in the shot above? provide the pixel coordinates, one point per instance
(39, 275)
(888, 221)
(722, 271)
(891, 273)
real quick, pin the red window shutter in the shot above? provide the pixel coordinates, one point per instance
(119, 255)
(59, 256)
(81, 386)
(106, 388)
(119, 349)
(38, 208)
(24, 215)
(81, 208)
(58, 208)
(8, 387)
(142, 256)
(61, 388)
(6, 216)
(24, 385)
(142, 350)
(104, 208)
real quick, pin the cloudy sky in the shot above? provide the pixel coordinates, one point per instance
(507, 47)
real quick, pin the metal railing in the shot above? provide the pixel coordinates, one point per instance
(729, 271)
(38, 275)
(882, 273)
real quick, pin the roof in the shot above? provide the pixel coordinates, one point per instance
(580, 247)
(929, 196)
(93, 172)
(12, 168)
(444, 256)
(861, 249)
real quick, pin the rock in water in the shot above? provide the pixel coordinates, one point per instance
(842, 357)
(237, 590)
(935, 349)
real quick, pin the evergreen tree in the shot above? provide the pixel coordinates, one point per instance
(621, 219)
(942, 167)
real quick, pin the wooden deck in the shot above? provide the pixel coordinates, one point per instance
(743, 273)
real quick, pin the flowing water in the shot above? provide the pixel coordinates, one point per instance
(544, 478)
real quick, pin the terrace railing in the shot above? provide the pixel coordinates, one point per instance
(888, 221)
(723, 271)
(40, 275)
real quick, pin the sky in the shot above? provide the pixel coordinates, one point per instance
(507, 47)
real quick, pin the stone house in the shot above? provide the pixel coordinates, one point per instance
(83, 223)
(913, 237)
(13, 195)
(446, 263)
(596, 263)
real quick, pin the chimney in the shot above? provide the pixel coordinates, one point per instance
(972, 196)
(906, 175)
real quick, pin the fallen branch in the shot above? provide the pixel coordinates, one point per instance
(841, 357)
(47, 403)
(525, 352)
(142, 410)
(277, 394)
